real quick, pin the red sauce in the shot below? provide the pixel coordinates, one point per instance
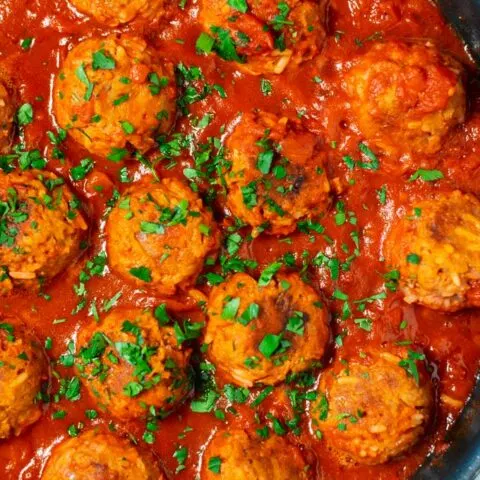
(451, 341)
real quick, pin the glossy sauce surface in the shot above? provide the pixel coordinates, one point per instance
(450, 341)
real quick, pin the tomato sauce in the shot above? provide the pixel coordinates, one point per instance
(450, 341)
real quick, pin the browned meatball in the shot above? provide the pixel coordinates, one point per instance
(113, 94)
(277, 174)
(117, 12)
(374, 407)
(259, 334)
(435, 247)
(159, 235)
(240, 455)
(129, 363)
(406, 97)
(23, 369)
(98, 455)
(7, 114)
(267, 35)
(40, 229)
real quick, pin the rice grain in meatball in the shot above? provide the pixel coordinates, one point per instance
(114, 94)
(159, 235)
(260, 334)
(435, 247)
(99, 455)
(268, 36)
(240, 455)
(129, 363)
(41, 229)
(277, 175)
(118, 12)
(23, 370)
(406, 97)
(374, 407)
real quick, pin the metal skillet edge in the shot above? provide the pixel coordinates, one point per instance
(462, 460)
(464, 17)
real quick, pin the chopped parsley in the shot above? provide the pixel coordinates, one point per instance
(426, 175)
(102, 61)
(25, 114)
(81, 74)
(215, 464)
(225, 46)
(410, 364)
(265, 87)
(204, 43)
(142, 273)
(240, 5)
(268, 273)
(413, 258)
(230, 309)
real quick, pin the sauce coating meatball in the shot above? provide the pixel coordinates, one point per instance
(159, 235)
(239, 455)
(117, 12)
(7, 114)
(260, 334)
(266, 36)
(114, 94)
(22, 372)
(277, 174)
(40, 229)
(406, 97)
(97, 455)
(374, 408)
(382, 14)
(435, 247)
(129, 363)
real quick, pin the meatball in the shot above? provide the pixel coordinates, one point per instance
(40, 229)
(260, 334)
(264, 36)
(131, 364)
(406, 97)
(23, 368)
(113, 94)
(277, 174)
(435, 248)
(159, 235)
(117, 12)
(98, 455)
(239, 455)
(374, 407)
(7, 114)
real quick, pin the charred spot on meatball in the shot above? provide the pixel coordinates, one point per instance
(131, 365)
(435, 249)
(277, 174)
(259, 334)
(237, 454)
(99, 455)
(113, 95)
(41, 229)
(264, 36)
(23, 370)
(119, 12)
(374, 407)
(159, 235)
(406, 97)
